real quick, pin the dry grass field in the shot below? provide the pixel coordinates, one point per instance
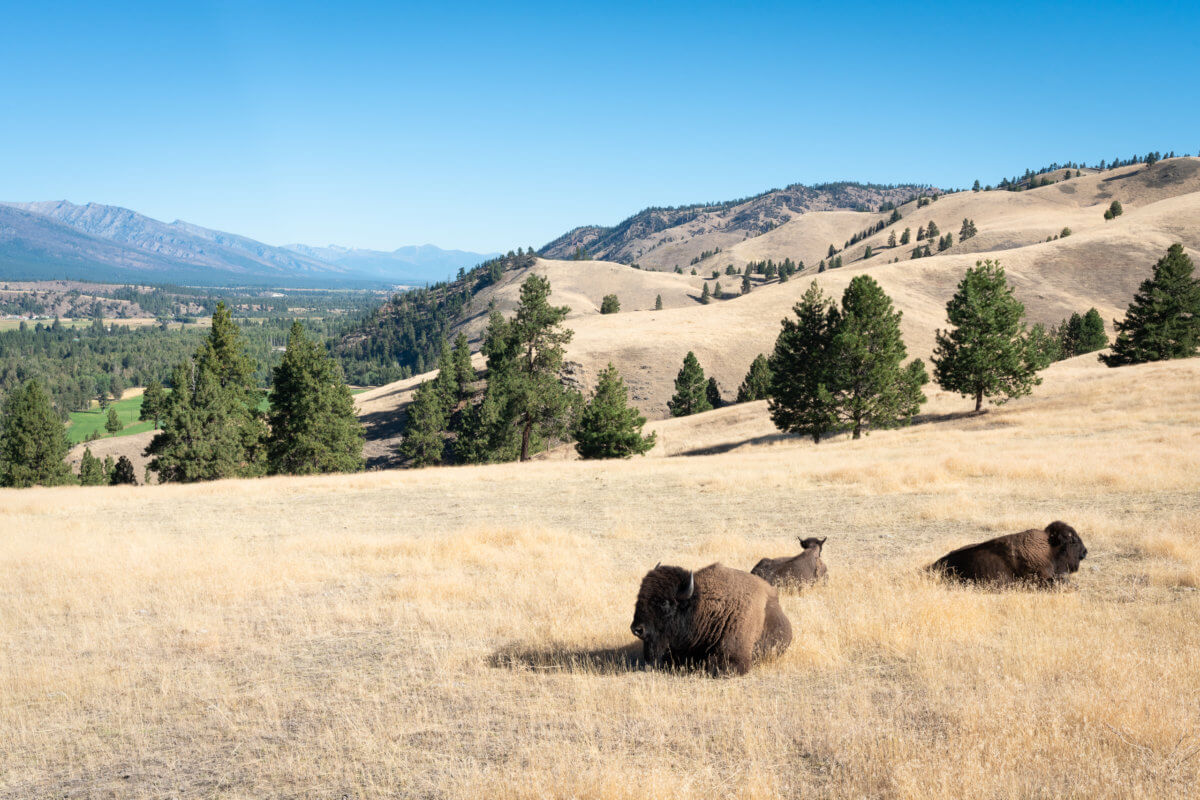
(463, 632)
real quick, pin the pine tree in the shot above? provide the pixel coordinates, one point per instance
(91, 473)
(33, 442)
(800, 368)
(746, 283)
(1092, 336)
(868, 386)
(113, 423)
(1163, 321)
(975, 188)
(424, 439)
(464, 371)
(987, 354)
(892, 239)
(757, 383)
(610, 304)
(1069, 336)
(691, 395)
(658, 302)
(832, 250)
(122, 473)
(932, 230)
(905, 237)
(704, 295)
(1115, 210)
(525, 356)
(211, 425)
(153, 400)
(107, 467)
(867, 253)
(608, 427)
(314, 428)
(712, 393)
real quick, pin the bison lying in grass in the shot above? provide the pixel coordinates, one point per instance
(717, 617)
(795, 571)
(1043, 557)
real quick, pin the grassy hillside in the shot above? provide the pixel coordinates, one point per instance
(463, 632)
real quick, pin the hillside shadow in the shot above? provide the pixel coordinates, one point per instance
(605, 660)
(382, 427)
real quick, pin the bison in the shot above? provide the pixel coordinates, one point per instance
(1043, 557)
(716, 617)
(798, 570)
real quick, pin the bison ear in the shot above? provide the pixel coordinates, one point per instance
(688, 588)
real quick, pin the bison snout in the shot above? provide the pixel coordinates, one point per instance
(638, 630)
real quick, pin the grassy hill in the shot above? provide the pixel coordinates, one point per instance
(463, 632)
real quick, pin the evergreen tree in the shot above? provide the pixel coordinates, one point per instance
(658, 302)
(1045, 347)
(314, 428)
(153, 400)
(1092, 336)
(113, 423)
(122, 473)
(712, 393)
(33, 442)
(610, 304)
(988, 353)
(746, 283)
(524, 359)
(211, 425)
(975, 188)
(932, 230)
(868, 386)
(801, 366)
(832, 250)
(91, 473)
(464, 371)
(1069, 336)
(691, 389)
(867, 253)
(905, 237)
(108, 467)
(704, 295)
(608, 427)
(892, 239)
(1115, 210)
(1163, 321)
(424, 439)
(718, 292)
(757, 383)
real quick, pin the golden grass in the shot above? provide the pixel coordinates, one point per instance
(464, 632)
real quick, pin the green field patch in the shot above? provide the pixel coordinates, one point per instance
(85, 423)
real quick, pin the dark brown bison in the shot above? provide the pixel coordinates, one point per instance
(1042, 557)
(798, 570)
(716, 617)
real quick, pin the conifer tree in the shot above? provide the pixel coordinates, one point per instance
(108, 466)
(122, 473)
(424, 439)
(891, 239)
(610, 304)
(868, 386)
(987, 353)
(691, 389)
(1163, 321)
(757, 383)
(113, 423)
(91, 473)
(464, 371)
(658, 302)
(704, 295)
(905, 237)
(33, 441)
(1092, 336)
(152, 403)
(932, 230)
(746, 283)
(314, 428)
(800, 368)
(717, 292)
(608, 427)
(867, 253)
(712, 393)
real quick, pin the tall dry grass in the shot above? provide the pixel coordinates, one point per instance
(464, 632)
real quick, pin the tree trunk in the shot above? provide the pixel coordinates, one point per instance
(978, 399)
(525, 431)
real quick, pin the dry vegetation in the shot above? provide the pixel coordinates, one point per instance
(463, 632)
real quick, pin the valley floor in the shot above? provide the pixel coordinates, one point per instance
(463, 632)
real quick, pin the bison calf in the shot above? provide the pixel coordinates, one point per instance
(1043, 557)
(798, 570)
(717, 617)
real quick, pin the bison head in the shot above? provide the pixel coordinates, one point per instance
(660, 617)
(1067, 547)
(812, 542)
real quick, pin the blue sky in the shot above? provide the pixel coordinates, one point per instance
(488, 126)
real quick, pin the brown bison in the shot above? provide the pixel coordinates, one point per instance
(1042, 557)
(794, 570)
(716, 617)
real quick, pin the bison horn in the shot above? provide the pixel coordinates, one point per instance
(656, 566)
(687, 593)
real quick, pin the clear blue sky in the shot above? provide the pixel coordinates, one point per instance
(490, 126)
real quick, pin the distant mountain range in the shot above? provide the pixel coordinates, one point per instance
(57, 239)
